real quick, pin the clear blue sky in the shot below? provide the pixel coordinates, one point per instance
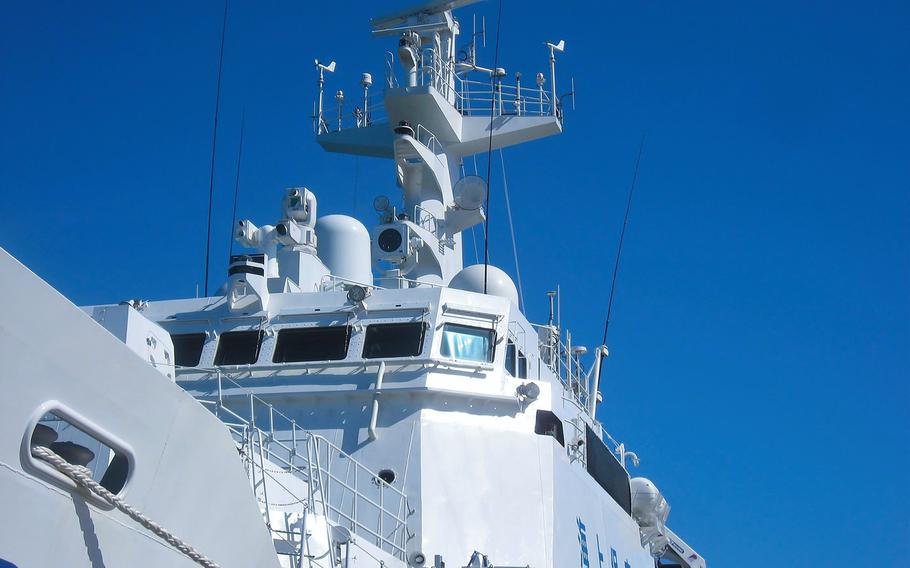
(761, 334)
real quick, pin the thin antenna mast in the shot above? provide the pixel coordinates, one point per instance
(493, 78)
(622, 235)
(237, 180)
(208, 235)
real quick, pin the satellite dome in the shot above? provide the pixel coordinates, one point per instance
(498, 282)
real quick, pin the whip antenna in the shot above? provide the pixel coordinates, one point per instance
(208, 235)
(622, 235)
(493, 77)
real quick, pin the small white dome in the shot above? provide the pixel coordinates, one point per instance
(498, 282)
(344, 247)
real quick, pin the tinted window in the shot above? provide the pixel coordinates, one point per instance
(393, 340)
(312, 344)
(548, 424)
(467, 343)
(188, 348)
(607, 471)
(516, 362)
(238, 348)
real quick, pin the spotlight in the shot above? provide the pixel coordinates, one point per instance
(390, 240)
(529, 391)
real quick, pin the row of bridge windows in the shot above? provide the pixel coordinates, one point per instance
(297, 345)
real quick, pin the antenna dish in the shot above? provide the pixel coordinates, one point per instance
(470, 192)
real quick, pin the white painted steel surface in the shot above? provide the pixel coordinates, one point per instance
(186, 473)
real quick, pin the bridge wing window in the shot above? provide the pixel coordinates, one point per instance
(238, 347)
(188, 348)
(384, 340)
(516, 362)
(312, 344)
(467, 343)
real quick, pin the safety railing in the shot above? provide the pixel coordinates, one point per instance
(358, 112)
(567, 367)
(471, 97)
(481, 98)
(577, 390)
(426, 137)
(425, 220)
(331, 282)
(344, 490)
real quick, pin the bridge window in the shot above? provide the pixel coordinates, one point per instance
(467, 343)
(188, 348)
(516, 362)
(384, 340)
(312, 344)
(238, 347)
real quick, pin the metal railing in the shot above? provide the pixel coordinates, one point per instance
(568, 368)
(341, 488)
(364, 112)
(331, 282)
(470, 97)
(480, 98)
(425, 220)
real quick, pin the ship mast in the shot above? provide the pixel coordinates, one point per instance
(447, 108)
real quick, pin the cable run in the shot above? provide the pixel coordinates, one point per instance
(486, 225)
(237, 182)
(208, 235)
(622, 236)
(505, 190)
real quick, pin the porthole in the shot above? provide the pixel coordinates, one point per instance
(80, 443)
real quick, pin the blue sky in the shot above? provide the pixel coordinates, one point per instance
(761, 334)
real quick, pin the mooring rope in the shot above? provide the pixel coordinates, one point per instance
(83, 477)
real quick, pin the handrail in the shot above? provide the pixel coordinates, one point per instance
(312, 458)
(470, 97)
(331, 282)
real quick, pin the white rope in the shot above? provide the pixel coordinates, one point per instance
(505, 189)
(83, 477)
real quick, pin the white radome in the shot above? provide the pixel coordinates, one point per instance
(498, 282)
(344, 247)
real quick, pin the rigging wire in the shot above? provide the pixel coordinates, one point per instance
(622, 235)
(486, 225)
(208, 236)
(505, 190)
(473, 234)
(237, 182)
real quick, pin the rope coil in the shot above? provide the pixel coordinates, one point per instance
(83, 477)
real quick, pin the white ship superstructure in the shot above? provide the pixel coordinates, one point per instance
(351, 397)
